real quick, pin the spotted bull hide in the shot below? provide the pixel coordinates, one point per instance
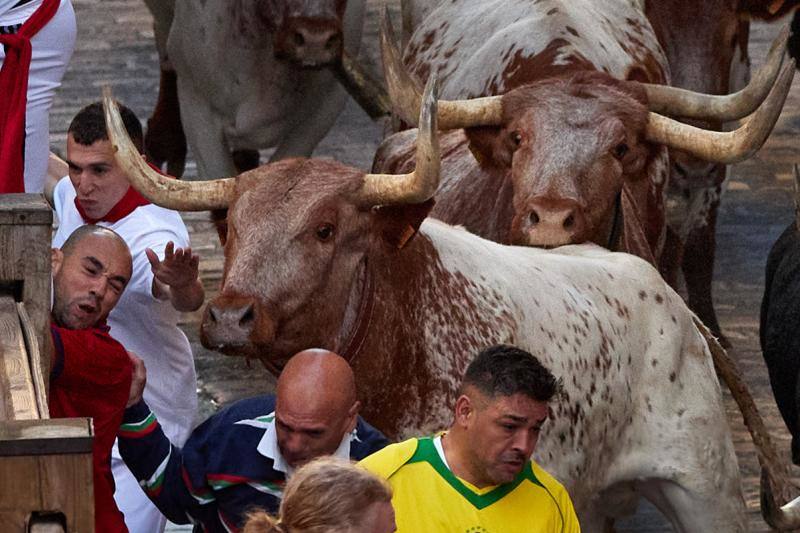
(249, 75)
(570, 164)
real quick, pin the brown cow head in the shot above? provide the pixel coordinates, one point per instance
(309, 34)
(572, 148)
(298, 235)
(569, 145)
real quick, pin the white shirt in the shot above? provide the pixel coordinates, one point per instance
(143, 324)
(18, 15)
(268, 446)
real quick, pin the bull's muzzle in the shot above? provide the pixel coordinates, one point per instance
(236, 325)
(309, 42)
(549, 223)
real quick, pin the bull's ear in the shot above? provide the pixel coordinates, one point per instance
(399, 223)
(489, 147)
(220, 219)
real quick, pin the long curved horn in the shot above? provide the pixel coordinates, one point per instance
(683, 103)
(730, 146)
(164, 191)
(421, 184)
(406, 94)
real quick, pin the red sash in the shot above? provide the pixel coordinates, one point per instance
(14, 90)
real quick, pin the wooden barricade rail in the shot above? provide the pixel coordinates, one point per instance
(45, 464)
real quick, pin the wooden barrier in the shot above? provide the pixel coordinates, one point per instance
(46, 474)
(45, 465)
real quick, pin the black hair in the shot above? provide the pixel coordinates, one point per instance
(89, 125)
(504, 370)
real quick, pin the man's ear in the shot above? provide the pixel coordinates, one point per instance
(464, 410)
(56, 260)
(352, 417)
(488, 147)
(399, 223)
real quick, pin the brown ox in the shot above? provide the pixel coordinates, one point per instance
(569, 152)
(706, 46)
(319, 254)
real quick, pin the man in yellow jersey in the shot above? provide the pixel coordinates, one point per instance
(478, 476)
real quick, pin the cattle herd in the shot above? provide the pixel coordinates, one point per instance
(533, 142)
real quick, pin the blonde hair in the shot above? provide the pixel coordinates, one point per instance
(327, 495)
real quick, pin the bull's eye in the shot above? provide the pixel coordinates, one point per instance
(620, 150)
(516, 138)
(324, 232)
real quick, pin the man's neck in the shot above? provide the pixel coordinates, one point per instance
(458, 459)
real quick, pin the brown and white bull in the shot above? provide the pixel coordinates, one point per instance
(570, 152)
(252, 74)
(320, 254)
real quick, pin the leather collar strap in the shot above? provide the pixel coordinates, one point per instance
(14, 88)
(616, 223)
(365, 308)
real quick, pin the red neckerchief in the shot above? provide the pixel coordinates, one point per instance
(123, 208)
(14, 88)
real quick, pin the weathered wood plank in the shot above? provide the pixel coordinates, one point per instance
(43, 437)
(19, 394)
(25, 233)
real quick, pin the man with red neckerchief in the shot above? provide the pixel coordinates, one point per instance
(92, 373)
(164, 282)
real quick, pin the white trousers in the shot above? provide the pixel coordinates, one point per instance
(141, 516)
(51, 51)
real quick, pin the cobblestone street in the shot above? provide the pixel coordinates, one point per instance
(115, 46)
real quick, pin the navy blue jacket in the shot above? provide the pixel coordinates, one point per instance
(218, 475)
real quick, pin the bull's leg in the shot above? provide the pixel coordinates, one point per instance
(205, 134)
(164, 141)
(698, 271)
(324, 101)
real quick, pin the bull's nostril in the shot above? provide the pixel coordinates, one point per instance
(534, 218)
(569, 221)
(248, 316)
(298, 38)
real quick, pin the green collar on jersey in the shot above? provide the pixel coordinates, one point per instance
(426, 452)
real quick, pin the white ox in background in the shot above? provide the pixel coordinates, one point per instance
(251, 74)
(353, 266)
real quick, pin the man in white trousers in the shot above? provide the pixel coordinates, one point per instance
(50, 29)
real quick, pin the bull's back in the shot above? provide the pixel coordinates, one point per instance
(481, 47)
(619, 337)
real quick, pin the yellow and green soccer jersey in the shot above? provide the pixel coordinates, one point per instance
(428, 497)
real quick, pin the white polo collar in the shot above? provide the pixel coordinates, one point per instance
(268, 446)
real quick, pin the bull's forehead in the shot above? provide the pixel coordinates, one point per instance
(478, 46)
(288, 188)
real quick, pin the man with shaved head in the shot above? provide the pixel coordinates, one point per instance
(239, 458)
(91, 372)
